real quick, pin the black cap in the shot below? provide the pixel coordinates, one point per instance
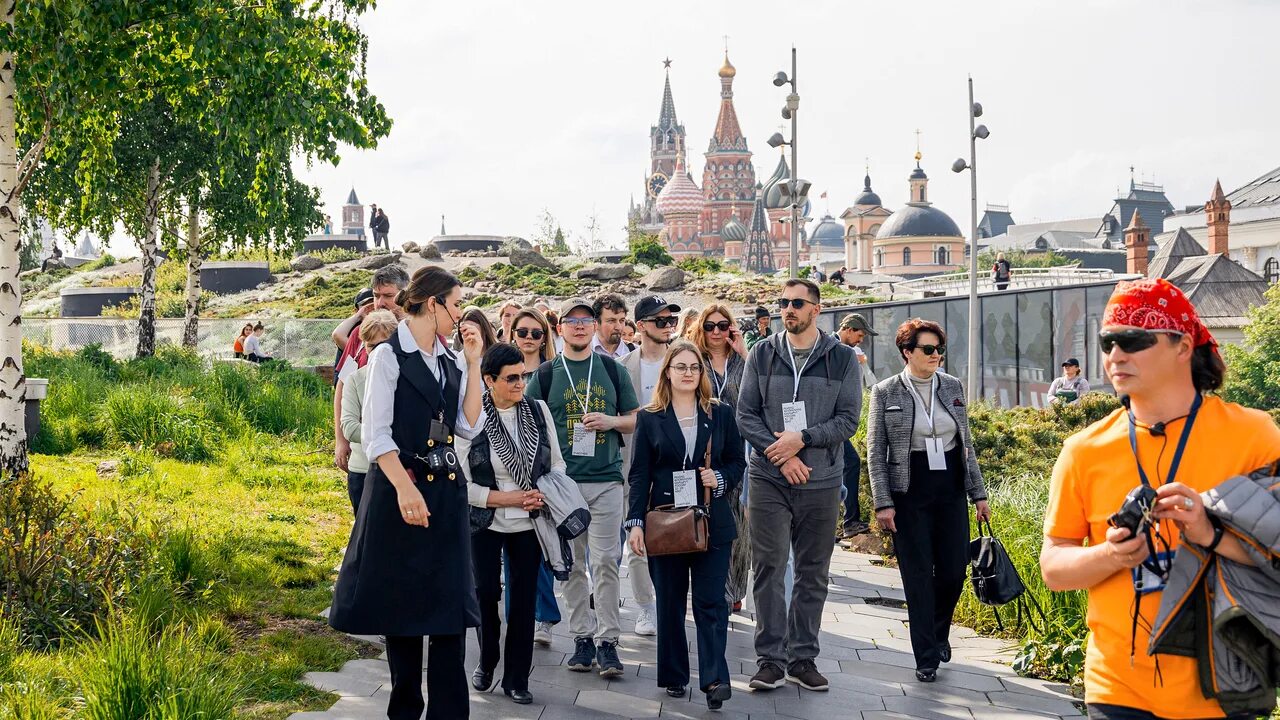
(1072, 362)
(364, 297)
(651, 305)
(762, 311)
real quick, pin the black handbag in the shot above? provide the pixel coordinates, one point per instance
(995, 580)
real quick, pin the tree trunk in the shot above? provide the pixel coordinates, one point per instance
(147, 298)
(13, 383)
(195, 258)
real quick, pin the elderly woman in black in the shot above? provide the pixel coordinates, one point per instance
(503, 462)
(671, 440)
(407, 572)
(922, 465)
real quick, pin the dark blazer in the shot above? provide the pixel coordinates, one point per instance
(658, 451)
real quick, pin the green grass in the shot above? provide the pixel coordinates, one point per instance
(531, 279)
(319, 297)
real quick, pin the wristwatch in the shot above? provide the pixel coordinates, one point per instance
(1217, 534)
(805, 437)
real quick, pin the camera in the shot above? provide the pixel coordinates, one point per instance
(1135, 512)
(441, 461)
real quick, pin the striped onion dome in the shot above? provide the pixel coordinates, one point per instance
(681, 195)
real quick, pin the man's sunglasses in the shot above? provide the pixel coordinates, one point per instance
(663, 322)
(722, 326)
(1131, 341)
(797, 303)
(931, 349)
(535, 333)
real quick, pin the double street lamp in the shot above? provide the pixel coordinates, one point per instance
(975, 342)
(794, 190)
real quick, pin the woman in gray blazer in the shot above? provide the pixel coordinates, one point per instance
(922, 465)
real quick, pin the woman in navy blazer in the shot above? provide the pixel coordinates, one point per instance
(671, 436)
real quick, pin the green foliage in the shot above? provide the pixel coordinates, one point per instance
(277, 259)
(701, 266)
(39, 281)
(535, 280)
(1021, 259)
(106, 260)
(330, 296)
(647, 250)
(168, 423)
(332, 255)
(484, 300)
(1253, 376)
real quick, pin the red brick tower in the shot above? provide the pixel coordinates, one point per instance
(1217, 213)
(728, 179)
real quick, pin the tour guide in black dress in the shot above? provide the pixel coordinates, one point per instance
(407, 571)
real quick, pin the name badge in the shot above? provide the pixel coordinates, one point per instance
(937, 456)
(794, 418)
(685, 484)
(584, 441)
(511, 513)
(1145, 581)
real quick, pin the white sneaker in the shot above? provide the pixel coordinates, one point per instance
(542, 634)
(645, 624)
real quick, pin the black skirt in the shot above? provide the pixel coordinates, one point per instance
(400, 579)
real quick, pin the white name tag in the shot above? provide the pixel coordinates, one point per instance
(511, 513)
(937, 456)
(584, 441)
(685, 485)
(794, 418)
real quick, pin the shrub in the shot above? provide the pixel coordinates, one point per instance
(701, 266)
(168, 423)
(1253, 378)
(648, 250)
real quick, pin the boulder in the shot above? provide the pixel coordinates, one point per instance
(604, 271)
(664, 278)
(429, 252)
(55, 263)
(306, 263)
(108, 467)
(410, 247)
(381, 260)
(521, 257)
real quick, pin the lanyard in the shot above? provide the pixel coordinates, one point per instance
(591, 366)
(933, 394)
(1177, 454)
(795, 391)
(716, 382)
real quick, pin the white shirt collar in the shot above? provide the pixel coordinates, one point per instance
(595, 343)
(408, 344)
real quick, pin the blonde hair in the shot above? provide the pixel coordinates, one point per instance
(662, 391)
(686, 323)
(548, 341)
(698, 336)
(376, 327)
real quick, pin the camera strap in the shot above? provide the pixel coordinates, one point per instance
(1177, 454)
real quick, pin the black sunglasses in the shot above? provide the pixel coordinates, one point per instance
(722, 326)
(1131, 341)
(535, 333)
(511, 379)
(663, 322)
(797, 303)
(931, 349)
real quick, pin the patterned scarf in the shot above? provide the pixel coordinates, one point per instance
(517, 460)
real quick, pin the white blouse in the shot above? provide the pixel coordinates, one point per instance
(507, 520)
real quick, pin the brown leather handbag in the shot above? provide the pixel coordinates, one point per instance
(669, 530)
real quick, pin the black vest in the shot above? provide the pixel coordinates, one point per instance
(480, 461)
(411, 426)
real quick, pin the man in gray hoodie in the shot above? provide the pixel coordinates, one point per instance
(797, 424)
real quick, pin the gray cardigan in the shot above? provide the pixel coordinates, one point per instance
(890, 421)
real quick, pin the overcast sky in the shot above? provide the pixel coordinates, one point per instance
(502, 109)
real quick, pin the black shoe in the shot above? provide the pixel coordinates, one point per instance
(584, 654)
(607, 659)
(945, 652)
(854, 529)
(805, 674)
(520, 697)
(481, 680)
(927, 675)
(768, 677)
(717, 694)
(677, 691)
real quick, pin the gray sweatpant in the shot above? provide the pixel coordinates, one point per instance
(786, 520)
(604, 500)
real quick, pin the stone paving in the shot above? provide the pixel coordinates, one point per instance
(866, 655)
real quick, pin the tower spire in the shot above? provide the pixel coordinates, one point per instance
(667, 115)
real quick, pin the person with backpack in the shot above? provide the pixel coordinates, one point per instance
(800, 399)
(922, 465)
(593, 404)
(1001, 272)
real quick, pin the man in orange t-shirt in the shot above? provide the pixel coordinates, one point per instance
(1160, 356)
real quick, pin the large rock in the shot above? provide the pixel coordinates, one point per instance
(604, 271)
(410, 247)
(664, 278)
(306, 263)
(520, 257)
(429, 252)
(381, 260)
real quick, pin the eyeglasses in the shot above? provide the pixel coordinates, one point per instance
(579, 322)
(683, 369)
(513, 378)
(1131, 341)
(797, 303)
(663, 322)
(535, 333)
(722, 326)
(931, 349)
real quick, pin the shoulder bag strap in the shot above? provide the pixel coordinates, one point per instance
(706, 491)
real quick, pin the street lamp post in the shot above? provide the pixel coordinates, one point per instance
(795, 189)
(975, 342)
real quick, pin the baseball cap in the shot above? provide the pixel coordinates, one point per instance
(364, 297)
(572, 304)
(854, 321)
(651, 305)
(1072, 362)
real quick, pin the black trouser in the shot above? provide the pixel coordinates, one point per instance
(1119, 712)
(446, 679)
(524, 555)
(671, 575)
(355, 486)
(852, 470)
(931, 543)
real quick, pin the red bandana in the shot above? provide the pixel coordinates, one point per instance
(1156, 304)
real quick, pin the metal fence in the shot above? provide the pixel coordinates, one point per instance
(301, 342)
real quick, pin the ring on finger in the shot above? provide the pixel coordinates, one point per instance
(1188, 503)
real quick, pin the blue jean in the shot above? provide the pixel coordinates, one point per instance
(547, 609)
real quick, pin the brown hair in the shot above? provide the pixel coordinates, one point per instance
(430, 281)
(548, 344)
(247, 330)
(1207, 369)
(377, 327)
(698, 336)
(910, 330)
(815, 293)
(662, 391)
(477, 316)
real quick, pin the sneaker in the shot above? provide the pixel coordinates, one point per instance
(645, 624)
(854, 529)
(607, 659)
(584, 654)
(542, 634)
(768, 677)
(806, 675)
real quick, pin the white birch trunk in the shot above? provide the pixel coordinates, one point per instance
(13, 383)
(147, 298)
(195, 258)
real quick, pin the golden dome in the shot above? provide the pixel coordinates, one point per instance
(727, 70)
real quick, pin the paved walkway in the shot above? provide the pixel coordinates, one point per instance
(866, 654)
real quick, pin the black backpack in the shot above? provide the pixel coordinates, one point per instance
(995, 580)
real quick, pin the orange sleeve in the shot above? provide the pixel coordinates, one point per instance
(1066, 517)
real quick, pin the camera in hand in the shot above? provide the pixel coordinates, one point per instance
(1135, 512)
